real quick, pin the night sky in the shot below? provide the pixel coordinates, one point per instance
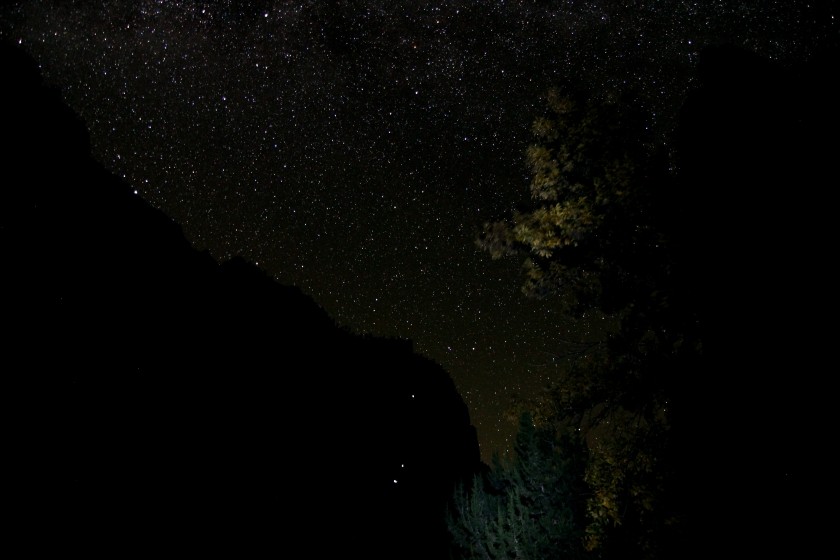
(354, 149)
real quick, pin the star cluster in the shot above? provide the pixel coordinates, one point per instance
(354, 148)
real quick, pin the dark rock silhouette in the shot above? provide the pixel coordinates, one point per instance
(159, 400)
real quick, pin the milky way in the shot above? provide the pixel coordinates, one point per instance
(355, 148)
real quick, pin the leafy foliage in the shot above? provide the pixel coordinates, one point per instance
(591, 177)
(597, 240)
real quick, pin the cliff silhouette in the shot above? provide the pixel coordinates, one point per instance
(161, 400)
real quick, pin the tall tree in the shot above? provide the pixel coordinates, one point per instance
(596, 240)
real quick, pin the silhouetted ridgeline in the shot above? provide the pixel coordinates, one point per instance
(161, 401)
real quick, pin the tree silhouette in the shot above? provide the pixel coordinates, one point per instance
(706, 262)
(597, 241)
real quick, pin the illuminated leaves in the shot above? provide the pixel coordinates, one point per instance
(584, 172)
(590, 238)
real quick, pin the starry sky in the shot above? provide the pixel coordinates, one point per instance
(355, 148)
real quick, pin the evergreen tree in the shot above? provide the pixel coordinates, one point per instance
(530, 507)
